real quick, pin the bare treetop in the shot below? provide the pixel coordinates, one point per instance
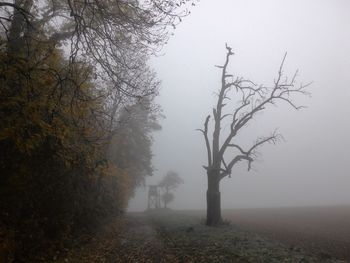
(250, 99)
(253, 99)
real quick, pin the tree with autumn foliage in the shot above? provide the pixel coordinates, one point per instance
(47, 136)
(76, 113)
(129, 149)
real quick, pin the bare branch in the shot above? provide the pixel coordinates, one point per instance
(16, 7)
(259, 142)
(229, 50)
(238, 147)
(205, 134)
(249, 155)
(236, 160)
(224, 116)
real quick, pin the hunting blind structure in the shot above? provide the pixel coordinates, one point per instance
(153, 197)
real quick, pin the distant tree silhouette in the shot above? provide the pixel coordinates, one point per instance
(167, 198)
(250, 99)
(170, 182)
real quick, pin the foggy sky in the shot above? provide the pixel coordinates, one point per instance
(311, 167)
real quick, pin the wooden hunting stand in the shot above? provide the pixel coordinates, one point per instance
(153, 197)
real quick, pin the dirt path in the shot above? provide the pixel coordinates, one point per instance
(128, 239)
(139, 243)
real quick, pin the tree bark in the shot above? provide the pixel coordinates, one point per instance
(213, 199)
(19, 26)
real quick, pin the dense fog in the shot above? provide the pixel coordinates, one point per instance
(310, 166)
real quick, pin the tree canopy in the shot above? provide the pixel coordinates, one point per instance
(76, 113)
(170, 182)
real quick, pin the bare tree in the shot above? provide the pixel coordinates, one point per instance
(251, 99)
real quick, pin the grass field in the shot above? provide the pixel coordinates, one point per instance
(323, 231)
(320, 230)
(292, 235)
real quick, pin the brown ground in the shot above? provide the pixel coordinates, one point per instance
(320, 230)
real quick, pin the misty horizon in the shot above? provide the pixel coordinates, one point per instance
(309, 167)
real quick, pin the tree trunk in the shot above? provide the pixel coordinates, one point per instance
(213, 199)
(19, 27)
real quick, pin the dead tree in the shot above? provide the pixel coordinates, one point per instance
(251, 99)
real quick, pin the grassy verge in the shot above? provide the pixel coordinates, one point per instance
(191, 241)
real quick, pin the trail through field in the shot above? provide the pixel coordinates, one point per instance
(139, 242)
(128, 239)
